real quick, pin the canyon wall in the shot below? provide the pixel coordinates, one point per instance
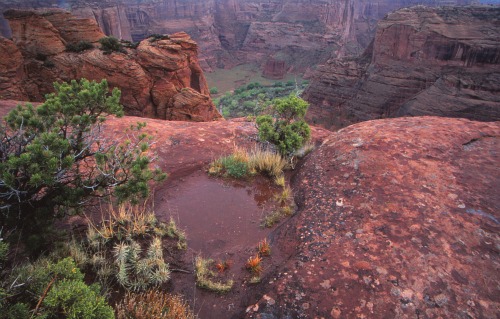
(160, 78)
(297, 33)
(423, 61)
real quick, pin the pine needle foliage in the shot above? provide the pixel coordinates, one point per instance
(54, 157)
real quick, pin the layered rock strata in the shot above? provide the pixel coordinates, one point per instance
(397, 218)
(300, 32)
(424, 61)
(161, 78)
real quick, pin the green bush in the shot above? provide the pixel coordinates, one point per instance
(285, 128)
(79, 46)
(111, 44)
(73, 299)
(60, 286)
(214, 90)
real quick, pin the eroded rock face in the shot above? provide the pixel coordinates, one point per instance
(11, 71)
(299, 32)
(158, 79)
(424, 61)
(397, 217)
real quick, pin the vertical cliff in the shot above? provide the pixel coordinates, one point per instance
(424, 61)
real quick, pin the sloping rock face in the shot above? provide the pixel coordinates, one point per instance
(11, 71)
(299, 32)
(398, 218)
(424, 61)
(159, 79)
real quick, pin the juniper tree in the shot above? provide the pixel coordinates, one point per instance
(55, 156)
(285, 126)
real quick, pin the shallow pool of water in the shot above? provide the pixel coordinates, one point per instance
(217, 215)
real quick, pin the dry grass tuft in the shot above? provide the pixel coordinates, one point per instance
(153, 304)
(267, 162)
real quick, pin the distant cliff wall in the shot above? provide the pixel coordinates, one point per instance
(424, 61)
(300, 33)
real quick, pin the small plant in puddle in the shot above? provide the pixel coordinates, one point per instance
(254, 265)
(287, 211)
(222, 266)
(206, 279)
(285, 196)
(280, 180)
(264, 248)
(271, 219)
(174, 232)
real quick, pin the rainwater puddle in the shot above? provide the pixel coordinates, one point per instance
(218, 215)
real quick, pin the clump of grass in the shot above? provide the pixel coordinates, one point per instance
(205, 278)
(264, 248)
(241, 164)
(254, 265)
(280, 180)
(235, 165)
(153, 304)
(132, 221)
(271, 219)
(267, 162)
(285, 196)
(126, 247)
(175, 233)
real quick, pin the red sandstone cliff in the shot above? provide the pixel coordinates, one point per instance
(159, 79)
(423, 61)
(300, 33)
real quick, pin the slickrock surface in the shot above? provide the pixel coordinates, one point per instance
(158, 79)
(424, 61)
(398, 218)
(300, 32)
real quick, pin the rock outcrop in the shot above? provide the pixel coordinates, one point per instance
(300, 32)
(424, 61)
(161, 78)
(397, 218)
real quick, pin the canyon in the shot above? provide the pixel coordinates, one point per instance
(298, 34)
(423, 61)
(160, 78)
(396, 215)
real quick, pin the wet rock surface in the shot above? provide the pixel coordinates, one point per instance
(424, 61)
(397, 219)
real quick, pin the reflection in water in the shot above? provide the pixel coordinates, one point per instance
(217, 215)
